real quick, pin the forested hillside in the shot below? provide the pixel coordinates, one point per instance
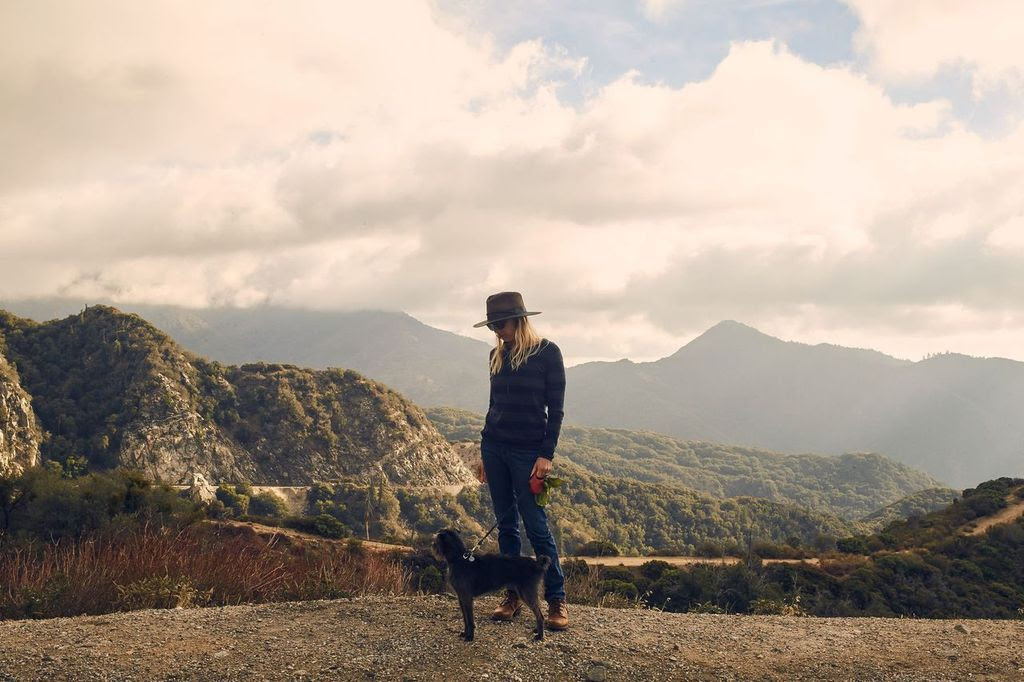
(916, 504)
(850, 486)
(637, 517)
(923, 567)
(111, 389)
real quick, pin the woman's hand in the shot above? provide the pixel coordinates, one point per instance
(480, 473)
(541, 468)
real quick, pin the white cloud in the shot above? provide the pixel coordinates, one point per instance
(911, 39)
(655, 10)
(239, 153)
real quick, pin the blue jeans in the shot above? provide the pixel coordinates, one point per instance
(508, 470)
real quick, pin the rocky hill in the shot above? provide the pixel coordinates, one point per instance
(112, 390)
(415, 638)
(427, 365)
(19, 432)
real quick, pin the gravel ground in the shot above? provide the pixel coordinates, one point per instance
(416, 638)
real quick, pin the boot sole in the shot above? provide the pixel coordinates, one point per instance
(506, 619)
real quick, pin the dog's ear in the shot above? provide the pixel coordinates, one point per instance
(449, 542)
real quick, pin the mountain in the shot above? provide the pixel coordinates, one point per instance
(954, 416)
(849, 486)
(427, 365)
(112, 390)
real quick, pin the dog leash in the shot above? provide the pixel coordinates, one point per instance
(468, 556)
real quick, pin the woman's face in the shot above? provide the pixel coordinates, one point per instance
(507, 332)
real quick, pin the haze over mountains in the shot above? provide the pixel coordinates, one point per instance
(953, 416)
(429, 366)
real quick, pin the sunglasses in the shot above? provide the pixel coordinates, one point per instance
(500, 324)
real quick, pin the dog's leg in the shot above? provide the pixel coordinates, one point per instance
(466, 604)
(529, 597)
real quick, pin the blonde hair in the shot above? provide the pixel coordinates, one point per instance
(527, 344)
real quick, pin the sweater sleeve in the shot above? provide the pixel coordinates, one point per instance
(554, 397)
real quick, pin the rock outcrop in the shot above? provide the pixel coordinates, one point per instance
(19, 431)
(201, 490)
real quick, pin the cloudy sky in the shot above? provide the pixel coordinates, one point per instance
(844, 171)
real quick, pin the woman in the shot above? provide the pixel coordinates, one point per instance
(518, 441)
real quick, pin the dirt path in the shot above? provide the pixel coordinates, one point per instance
(268, 533)
(1014, 508)
(682, 560)
(414, 638)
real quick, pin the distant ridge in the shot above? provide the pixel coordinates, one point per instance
(429, 366)
(952, 416)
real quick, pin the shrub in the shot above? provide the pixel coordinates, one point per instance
(709, 548)
(617, 573)
(706, 607)
(160, 592)
(777, 607)
(652, 570)
(329, 527)
(598, 548)
(574, 568)
(233, 499)
(430, 580)
(267, 504)
(620, 587)
(852, 545)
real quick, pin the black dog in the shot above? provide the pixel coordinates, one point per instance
(487, 573)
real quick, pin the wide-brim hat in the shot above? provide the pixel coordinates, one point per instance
(505, 306)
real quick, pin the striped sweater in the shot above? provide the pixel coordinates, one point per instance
(517, 414)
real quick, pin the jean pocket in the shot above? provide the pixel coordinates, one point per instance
(524, 454)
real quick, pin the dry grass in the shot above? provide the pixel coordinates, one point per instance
(583, 585)
(194, 565)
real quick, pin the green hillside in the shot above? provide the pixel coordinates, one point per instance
(923, 567)
(917, 504)
(637, 517)
(940, 527)
(930, 566)
(112, 390)
(849, 486)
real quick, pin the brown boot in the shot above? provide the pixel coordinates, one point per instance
(508, 608)
(558, 615)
